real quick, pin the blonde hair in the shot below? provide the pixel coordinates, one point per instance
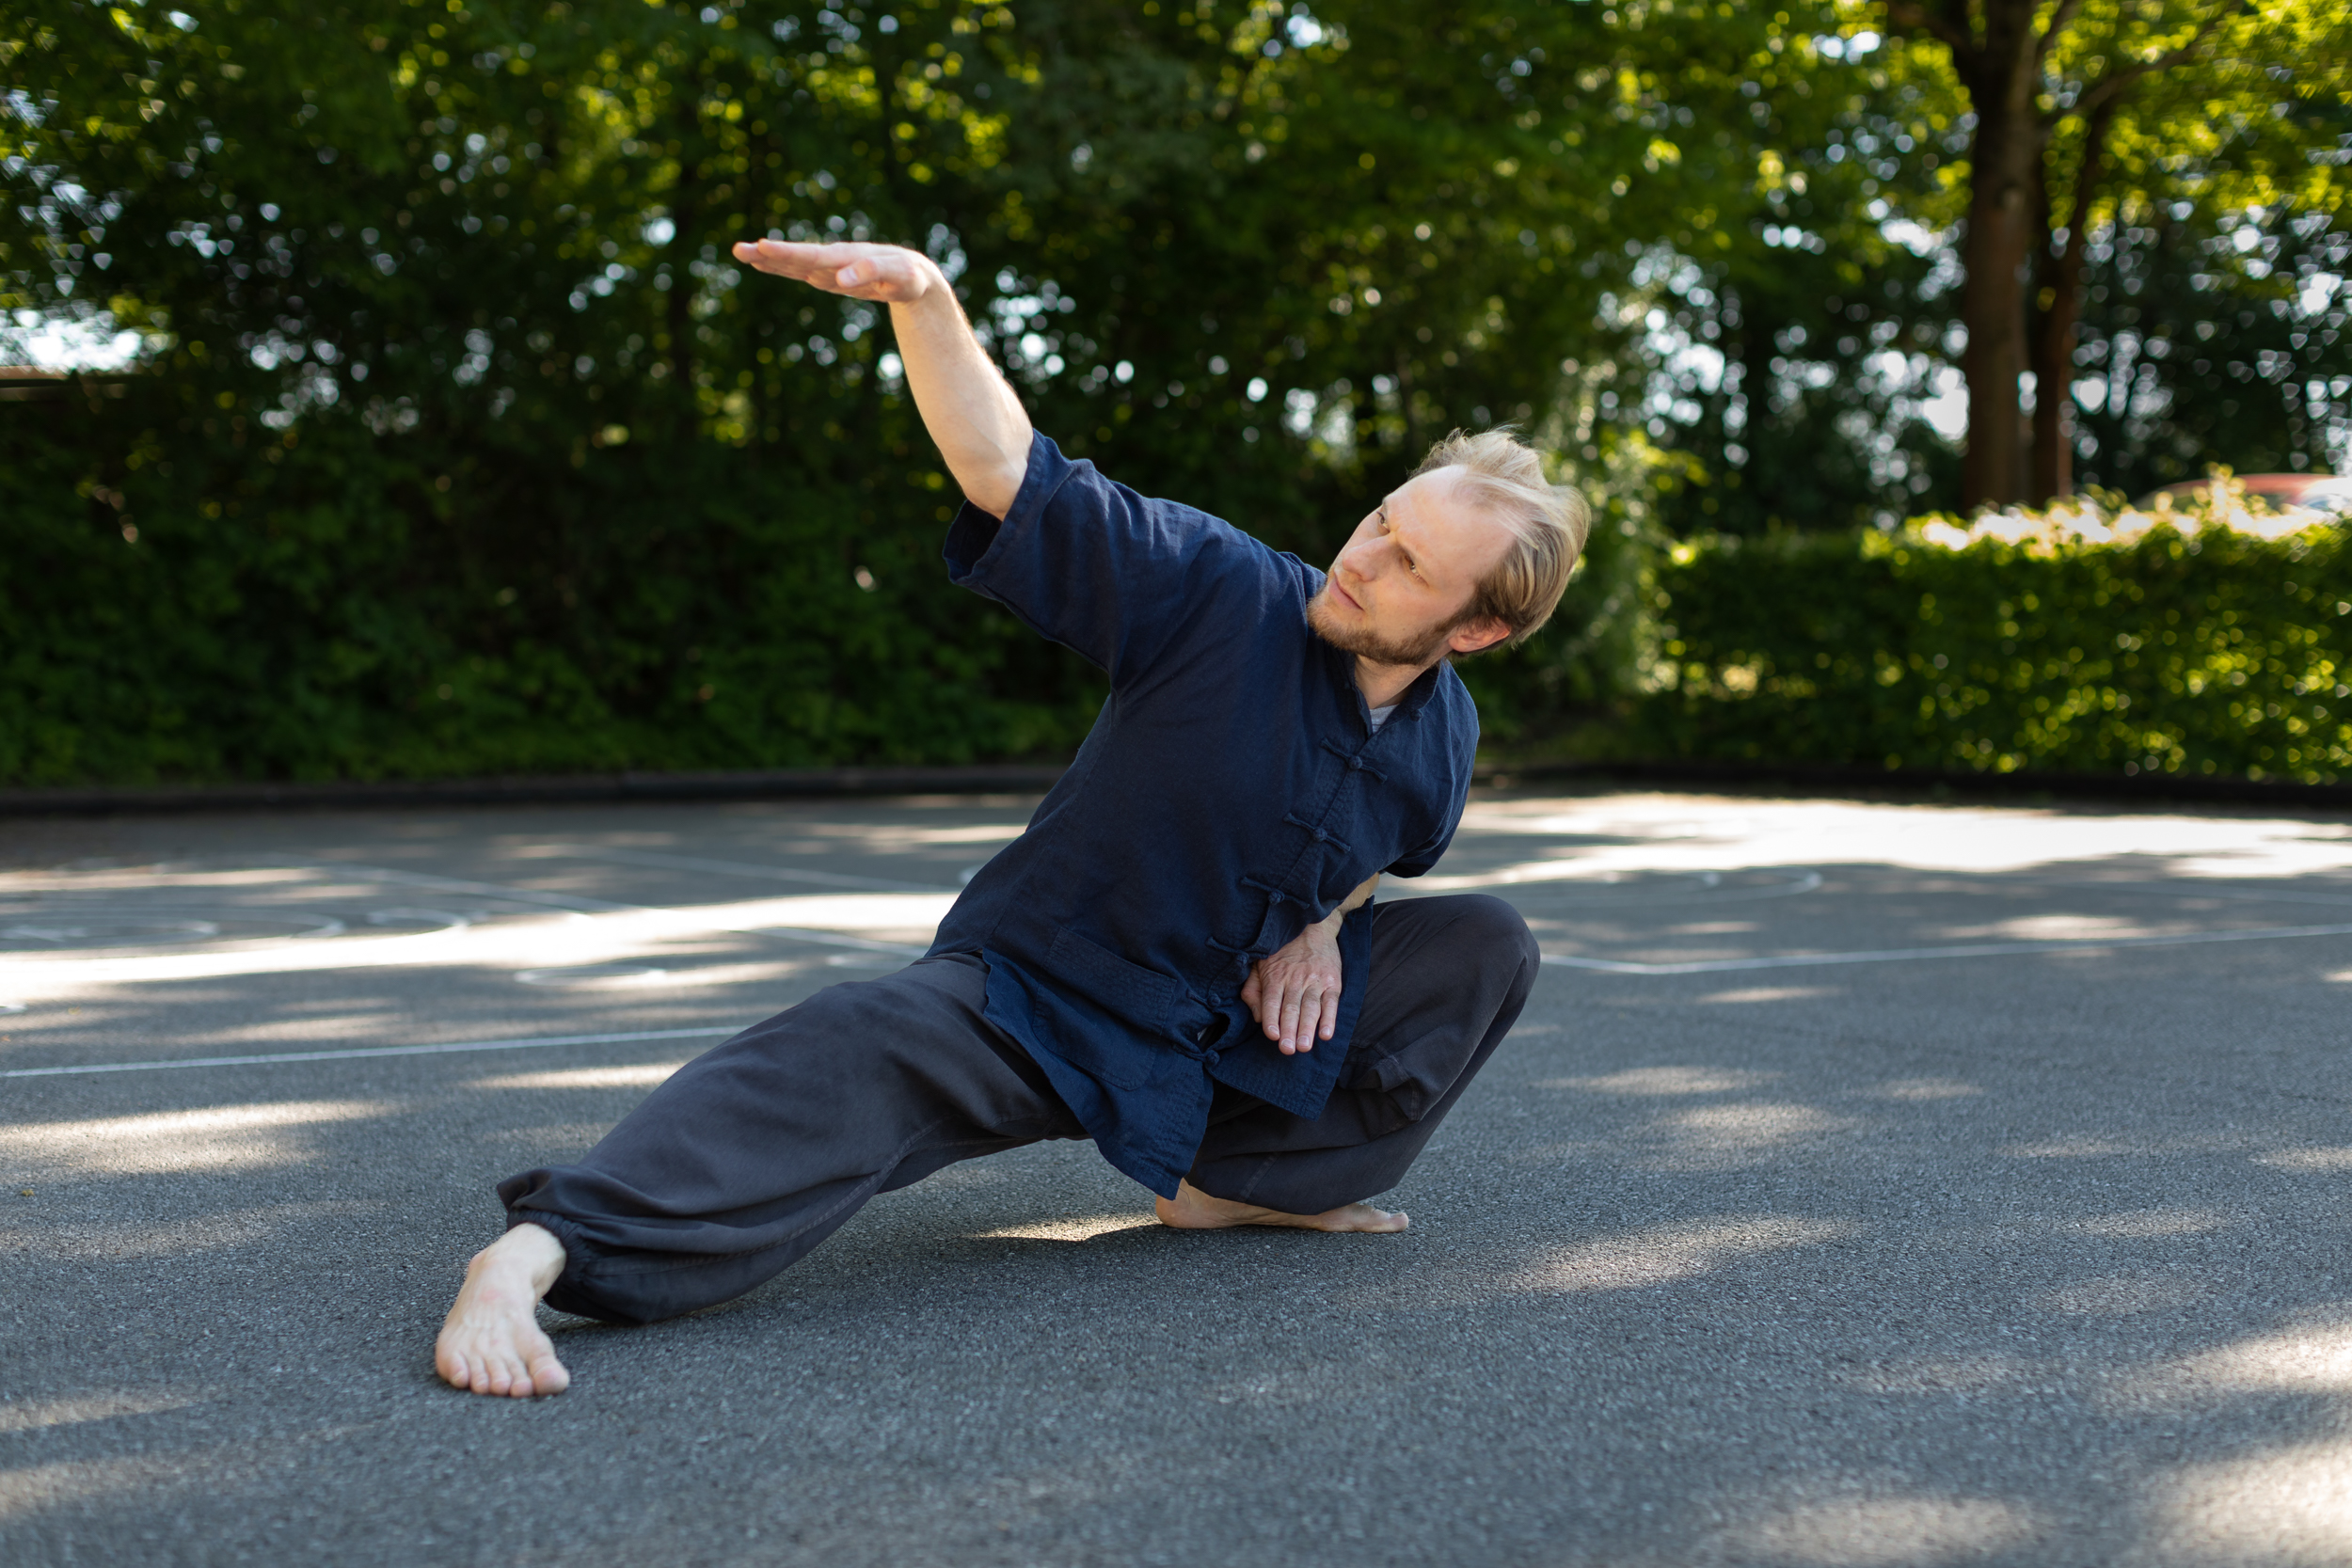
(1548, 522)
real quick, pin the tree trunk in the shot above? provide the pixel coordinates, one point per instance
(2004, 158)
(2009, 210)
(2054, 342)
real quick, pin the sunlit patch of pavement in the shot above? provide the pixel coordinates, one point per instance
(2022, 1258)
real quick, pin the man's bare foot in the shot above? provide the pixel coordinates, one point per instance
(1194, 1209)
(490, 1341)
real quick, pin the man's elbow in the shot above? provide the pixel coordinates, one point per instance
(995, 490)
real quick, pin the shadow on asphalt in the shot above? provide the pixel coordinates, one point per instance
(2032, 1258)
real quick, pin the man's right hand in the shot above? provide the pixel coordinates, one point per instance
(1293, 992)
(886, 273)
(966, 406)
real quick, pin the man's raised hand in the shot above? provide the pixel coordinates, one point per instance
(886, 273)
(971, 412)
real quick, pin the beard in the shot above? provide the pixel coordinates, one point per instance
(1364, 642)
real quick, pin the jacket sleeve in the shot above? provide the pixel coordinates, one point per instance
(1100, 569)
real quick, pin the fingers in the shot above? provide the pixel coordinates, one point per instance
(1291, 1014)
(781, 258)
(1271, 995)
(871, 271)
(1298, 1018)
(1295, 1004)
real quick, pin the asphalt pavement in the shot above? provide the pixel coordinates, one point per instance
(1866, 1184)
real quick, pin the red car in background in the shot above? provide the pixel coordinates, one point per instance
(2325, 493)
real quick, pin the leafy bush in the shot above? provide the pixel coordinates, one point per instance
(456, 444)
(326, 603)
(2208, 640)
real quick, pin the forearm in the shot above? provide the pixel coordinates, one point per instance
(978, 422)
(966, 406)
(1349, 904)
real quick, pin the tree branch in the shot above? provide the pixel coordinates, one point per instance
(1911, 16)
(2062, 15)
(2107, 87)
(2087, 176)
(2054, 331)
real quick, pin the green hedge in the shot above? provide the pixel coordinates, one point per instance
(188, 595)
(2191, 648)
(328, 603)
(235, 602)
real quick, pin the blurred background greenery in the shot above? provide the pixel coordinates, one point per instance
(421, 425)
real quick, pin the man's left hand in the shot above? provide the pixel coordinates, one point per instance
(1295, 992)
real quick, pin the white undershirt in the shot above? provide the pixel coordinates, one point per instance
(1380, 716)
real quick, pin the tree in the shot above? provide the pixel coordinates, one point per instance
(2085, 110)
(456, 446)
(456, 443)
(2211, 343)
(1830, 320)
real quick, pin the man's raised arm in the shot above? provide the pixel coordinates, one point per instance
(979, 424)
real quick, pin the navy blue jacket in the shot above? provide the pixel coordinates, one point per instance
(1231, 792)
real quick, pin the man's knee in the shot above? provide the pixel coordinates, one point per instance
(1498, 935)
(1460, 939)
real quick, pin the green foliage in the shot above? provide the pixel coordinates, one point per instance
(2207, 651)
(1590, 658)
(456, 443)
(2090, 123)
(455, 449)
(313, 606)
(2204, 345)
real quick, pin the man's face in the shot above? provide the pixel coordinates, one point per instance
(1401, 586)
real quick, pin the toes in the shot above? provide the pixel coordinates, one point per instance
(548, 1375)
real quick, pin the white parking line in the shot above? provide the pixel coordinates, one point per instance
(1908, 955)
(730, 868)
(1572, 877)
(573, 903)
(535, 1043)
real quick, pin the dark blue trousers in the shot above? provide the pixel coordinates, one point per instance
(758, 1149)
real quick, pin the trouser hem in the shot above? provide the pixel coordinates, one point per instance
(566, 1295)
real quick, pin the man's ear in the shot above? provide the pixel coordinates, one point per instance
(1476, 637)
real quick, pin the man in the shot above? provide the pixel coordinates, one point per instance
(1154, 962)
